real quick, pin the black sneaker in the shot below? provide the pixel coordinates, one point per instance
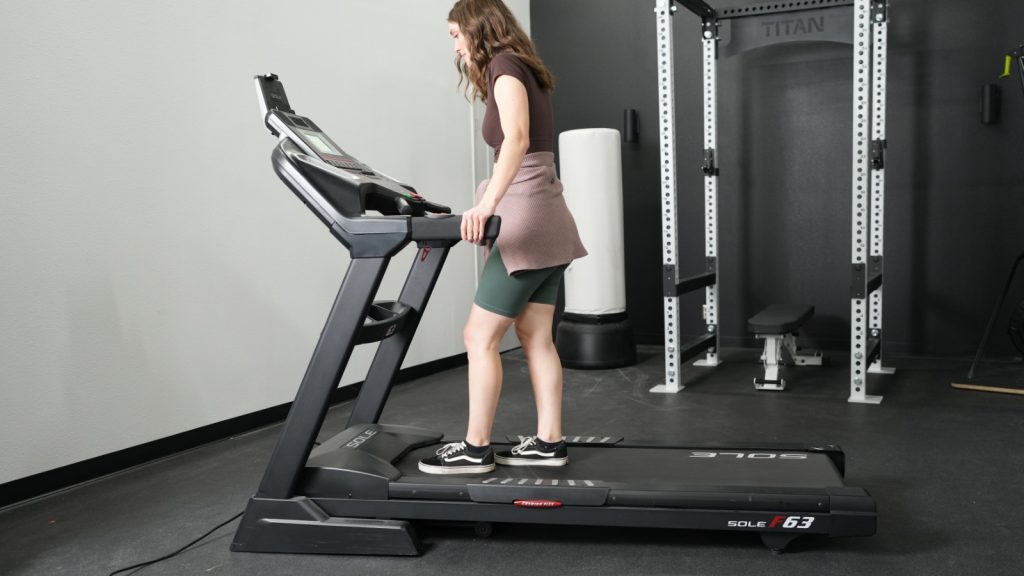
(457, 458)
(534, 452)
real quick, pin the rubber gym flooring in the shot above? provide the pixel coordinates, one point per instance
(944, 466)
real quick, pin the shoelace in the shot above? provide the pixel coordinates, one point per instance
(449, 449)
(526, 443)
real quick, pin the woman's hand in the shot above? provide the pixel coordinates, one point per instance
(474, 221)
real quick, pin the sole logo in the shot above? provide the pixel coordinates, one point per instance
(749, 455)
(787, 522)
(359, 440)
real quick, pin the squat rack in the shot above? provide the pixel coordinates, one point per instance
(730, 31)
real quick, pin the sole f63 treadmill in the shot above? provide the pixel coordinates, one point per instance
(359, 492)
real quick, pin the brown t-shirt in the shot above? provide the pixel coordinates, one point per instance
(541, 116)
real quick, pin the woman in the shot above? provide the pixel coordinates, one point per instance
(520, 280)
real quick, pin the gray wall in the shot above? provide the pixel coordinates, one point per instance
(156, 276)
(955, 188)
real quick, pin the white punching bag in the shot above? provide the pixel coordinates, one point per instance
(594, 331)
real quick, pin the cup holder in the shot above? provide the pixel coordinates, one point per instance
(383, 319)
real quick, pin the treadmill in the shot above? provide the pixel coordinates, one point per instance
(360, 492)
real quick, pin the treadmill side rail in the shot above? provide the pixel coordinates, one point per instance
(779, 521)
(722, 500)
(853, 512)
(508, 493)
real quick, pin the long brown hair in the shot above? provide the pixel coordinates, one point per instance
(490, 29)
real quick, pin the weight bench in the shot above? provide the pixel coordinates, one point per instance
(777, 324)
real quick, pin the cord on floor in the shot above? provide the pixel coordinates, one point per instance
(179, 550)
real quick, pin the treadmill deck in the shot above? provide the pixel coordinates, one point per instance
(654, 469)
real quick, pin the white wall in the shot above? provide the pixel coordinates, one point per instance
(156, 276)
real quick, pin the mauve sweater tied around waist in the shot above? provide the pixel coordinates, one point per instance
(537, 229)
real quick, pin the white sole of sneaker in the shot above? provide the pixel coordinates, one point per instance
(531, 461)
(456, 469)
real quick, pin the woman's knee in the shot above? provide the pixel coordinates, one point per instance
(483, 334)
(522, 334)
(475, 338)
(534, 337)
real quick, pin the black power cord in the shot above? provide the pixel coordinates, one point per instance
(179, 550)
(1020, 67)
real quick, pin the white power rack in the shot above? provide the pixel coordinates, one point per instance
(860, 23)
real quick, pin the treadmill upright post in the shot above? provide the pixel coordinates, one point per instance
(419, 285)
(322, 375)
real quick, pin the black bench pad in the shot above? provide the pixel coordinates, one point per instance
(780, 318)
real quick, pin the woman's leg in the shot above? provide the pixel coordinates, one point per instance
(533, 326)
(482, 335)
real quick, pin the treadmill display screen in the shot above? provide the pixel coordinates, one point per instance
(321, 145)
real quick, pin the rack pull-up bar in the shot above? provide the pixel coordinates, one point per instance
(698, 7)
(703, 10)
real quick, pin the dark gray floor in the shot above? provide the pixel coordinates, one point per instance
(944, 466)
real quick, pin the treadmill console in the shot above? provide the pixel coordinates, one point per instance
(349, 186)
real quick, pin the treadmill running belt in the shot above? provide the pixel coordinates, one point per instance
(638, 467)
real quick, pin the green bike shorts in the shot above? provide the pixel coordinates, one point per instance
(508, 295)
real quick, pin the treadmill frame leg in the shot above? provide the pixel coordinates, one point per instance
(299, 526)
(778, 541)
